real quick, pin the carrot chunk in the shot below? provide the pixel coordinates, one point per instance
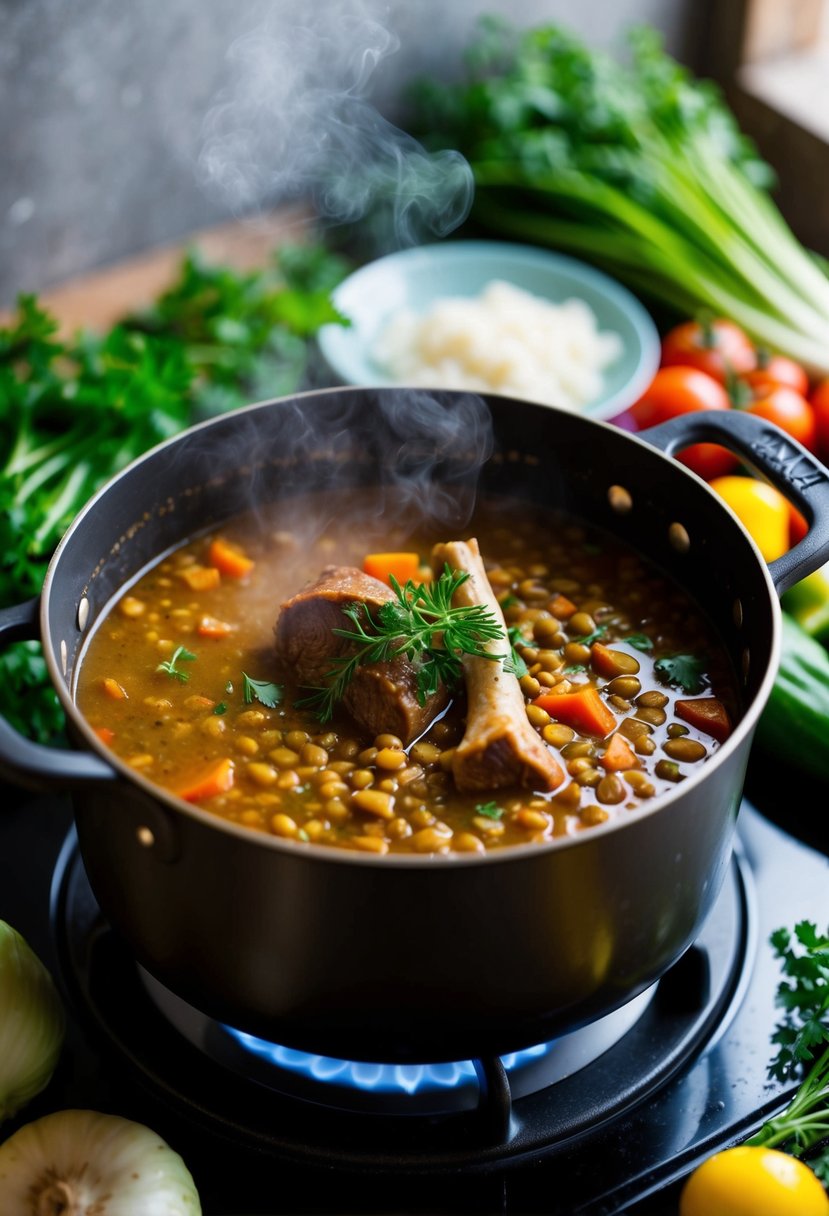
(561, 607)
(210, 627)
(584, 710)
(618, 755)
(201, 578)
(216, 779)
(229, 559)
(403, 566)
(603, 660)
(105, 734)
(113, 689)
(706, 714)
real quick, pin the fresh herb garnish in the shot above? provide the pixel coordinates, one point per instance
(590, 638)
(419, 623)
(574, 669)
(221, 708)
(491, 810)
(802, 1039)
(263, 691)
(180, 655)
(515, 665)
(640, 641)
(684, 671)
(509, 601)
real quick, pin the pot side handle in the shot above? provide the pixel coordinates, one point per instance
(33, 765)
(783, 461)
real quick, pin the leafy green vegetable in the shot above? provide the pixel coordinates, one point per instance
(421, 624)
(636, 166)
(180, 655)
(640, 641)
(263, 691)
(491, 810)
(74, 412)
(681, 670)
(590, 638)
(802, 1038)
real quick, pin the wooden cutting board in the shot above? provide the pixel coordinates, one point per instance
(99, 298)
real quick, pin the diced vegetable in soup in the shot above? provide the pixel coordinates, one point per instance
(530, 679)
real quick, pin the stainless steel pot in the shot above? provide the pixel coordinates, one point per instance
(411, 958)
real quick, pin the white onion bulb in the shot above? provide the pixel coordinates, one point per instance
(31, 1023)
(77, 1162)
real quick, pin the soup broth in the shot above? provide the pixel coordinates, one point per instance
(181, 679)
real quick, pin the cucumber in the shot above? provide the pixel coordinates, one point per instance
(795, 723)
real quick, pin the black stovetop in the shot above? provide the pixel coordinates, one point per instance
(617, 1136)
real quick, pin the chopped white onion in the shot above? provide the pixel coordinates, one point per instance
(31, 1023)
(76, 1162)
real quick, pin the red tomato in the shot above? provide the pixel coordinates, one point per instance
(798, 527)
(684, 390)
(789, 410)
(777, 369)
(718, 347)
(820, 404)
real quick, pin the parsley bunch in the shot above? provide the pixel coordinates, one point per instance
(802, 1038)
(420, 624)
(73, 412)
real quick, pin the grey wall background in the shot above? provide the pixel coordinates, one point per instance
(108, 106)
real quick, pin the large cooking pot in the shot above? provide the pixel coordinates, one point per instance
(412, 958)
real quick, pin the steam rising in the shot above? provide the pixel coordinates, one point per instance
(384, 464)
(296, 122)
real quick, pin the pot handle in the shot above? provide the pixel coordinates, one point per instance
(780, 459)
(33, 765)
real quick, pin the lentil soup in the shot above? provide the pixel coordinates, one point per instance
(622, 678)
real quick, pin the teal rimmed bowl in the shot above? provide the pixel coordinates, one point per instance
(415, 279)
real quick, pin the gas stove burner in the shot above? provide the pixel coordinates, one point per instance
(406, 1089)
(207, 1073)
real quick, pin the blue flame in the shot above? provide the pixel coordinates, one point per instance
(378, 1078)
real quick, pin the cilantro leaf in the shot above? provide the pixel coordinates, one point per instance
(590, 638)
(802, 1041)
(263, 691)
(639, 640)
(684, 671)
(490, 810)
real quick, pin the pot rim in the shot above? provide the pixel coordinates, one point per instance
(338, 856)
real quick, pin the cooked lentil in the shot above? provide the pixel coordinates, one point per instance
(272, 768)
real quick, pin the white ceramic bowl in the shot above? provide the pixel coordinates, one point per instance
(415, 279)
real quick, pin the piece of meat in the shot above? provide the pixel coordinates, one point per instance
(499, 747)
(382, 697)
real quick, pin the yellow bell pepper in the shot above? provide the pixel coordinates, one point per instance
(762, 510)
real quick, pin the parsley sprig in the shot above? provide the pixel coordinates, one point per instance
(264, 691)
(180, 655)
(802, 1039)
(422, 625)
